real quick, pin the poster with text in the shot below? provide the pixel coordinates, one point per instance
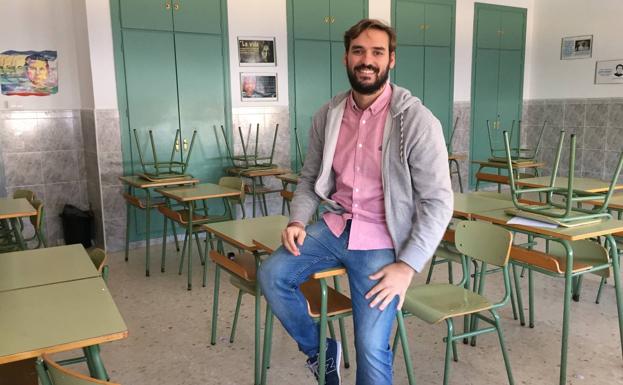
(256, 51)
(258, 87)
(609, 72)
(28, 73)
(576, 47)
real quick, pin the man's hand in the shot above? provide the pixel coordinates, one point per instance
(395, 279)
(292, 237)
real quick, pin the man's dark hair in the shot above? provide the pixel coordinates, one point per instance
(36, 56)
(365, 24)
(619, 65)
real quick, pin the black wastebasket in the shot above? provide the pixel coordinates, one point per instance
(77, 225)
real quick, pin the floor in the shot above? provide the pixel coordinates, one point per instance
(169, 330)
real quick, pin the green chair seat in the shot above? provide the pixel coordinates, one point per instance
(436, 302)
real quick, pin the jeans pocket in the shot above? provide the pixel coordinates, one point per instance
(317, 230)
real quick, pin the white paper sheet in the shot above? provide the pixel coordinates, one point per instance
(531, 222)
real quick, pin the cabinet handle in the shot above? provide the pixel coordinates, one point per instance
(422, 26)
(326, 19)
(500, 32)
(167, 5)
(332, 19)
(185, 144)
(176, 6)
(177, 145)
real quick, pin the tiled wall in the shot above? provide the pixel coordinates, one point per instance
(597, 123)
(43, 151)
(94, 195)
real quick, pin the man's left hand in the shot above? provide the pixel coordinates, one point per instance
(395, 279)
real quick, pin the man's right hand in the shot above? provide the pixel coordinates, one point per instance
(292, 237)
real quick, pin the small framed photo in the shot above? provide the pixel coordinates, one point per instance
(258, 87)
(256, 51)
(576, 47)
(609, 72)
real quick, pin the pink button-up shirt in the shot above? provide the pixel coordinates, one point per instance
(357, 168)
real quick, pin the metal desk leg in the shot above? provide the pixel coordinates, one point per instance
(566, 312)
(147, 230)
(616, 271)
(128, 214)
(98, 365)
(258, 298)
(190, 243)
(42, 373)
(18, 234)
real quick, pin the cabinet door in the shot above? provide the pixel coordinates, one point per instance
(510, 90)
(146, 14)
(152, 91)
(409, 70)
(311, 19)
(312, 83)
(203, 16)
(410, 22)
(512, 30)
(488, 28)
(201, 91)
(339, 78)
(438, 84)
(344, 14)
(152, 104)
(485, 103)
(438, 24)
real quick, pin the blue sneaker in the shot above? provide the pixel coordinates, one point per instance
(333, 361)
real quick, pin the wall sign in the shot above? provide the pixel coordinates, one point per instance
(256, 51)
(258, 86)
(576, 47)
(609, 72)
(28, 73)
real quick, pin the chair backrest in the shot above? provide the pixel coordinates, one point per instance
(235, 183)
(62, 376)
(37, 219)
(99, 259)
(484, 242)
(29, 195)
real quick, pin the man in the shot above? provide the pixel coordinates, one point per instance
(37, 69)
(377, 157)
(248, 88)
(266, 55)
(618, 70)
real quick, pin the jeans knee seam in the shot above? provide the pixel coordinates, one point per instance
(299, 272)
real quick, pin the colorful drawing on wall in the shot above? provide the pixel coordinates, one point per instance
(28, 73)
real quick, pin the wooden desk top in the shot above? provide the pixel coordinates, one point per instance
(290, 178)
(242, 232)
(615, 202)
(16, 208)
(487, 163)
(29, 268)
(198, 192)
(467, 203)
(137, 181)
(457, 156)
(589, 185)
(251, 173)
(57, 317)
(608, 226)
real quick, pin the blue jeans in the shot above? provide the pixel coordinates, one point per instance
(282, 273)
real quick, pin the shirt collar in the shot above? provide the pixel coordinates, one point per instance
(378, 105)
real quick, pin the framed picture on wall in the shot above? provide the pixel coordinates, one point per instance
(576, 47)
(256, 51)
(258, 87)
(609, 72)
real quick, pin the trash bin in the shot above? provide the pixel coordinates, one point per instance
(77, 225)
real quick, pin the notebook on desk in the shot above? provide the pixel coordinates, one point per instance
(499, 159)
(548, 219)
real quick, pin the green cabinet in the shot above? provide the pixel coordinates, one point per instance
(201, 16)
(425, 53)
(497, 75)
(172, 73)
(316, 52)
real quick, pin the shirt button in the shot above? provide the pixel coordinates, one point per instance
(360, 145)
(364, 122)
(355, 205)
(356, 190)
(358, 168)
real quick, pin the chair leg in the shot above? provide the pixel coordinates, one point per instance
(128, 215)
(450, 276)
(507, 363)
(577, 288)
(164, 245)
(177, 242)
(602, 283)
(42, 373)
(217, 275)
(331, 330)
(344, 340)
(481, 289)
(522, 319)
(513, 305)
(449, 339)
(236, 314)
(406, 352)
(183, 254)
(530, 298)
(268, 342)
(430, 269)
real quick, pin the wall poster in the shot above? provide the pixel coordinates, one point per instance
(28, 73)
(609, 72)
(258, 86)
(576, 47)
(256, 51)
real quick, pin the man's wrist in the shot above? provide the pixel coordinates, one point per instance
(297, 224)
(406, 268)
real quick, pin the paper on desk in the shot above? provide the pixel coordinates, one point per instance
(531, 222)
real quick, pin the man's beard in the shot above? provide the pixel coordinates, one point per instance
(367, 89)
